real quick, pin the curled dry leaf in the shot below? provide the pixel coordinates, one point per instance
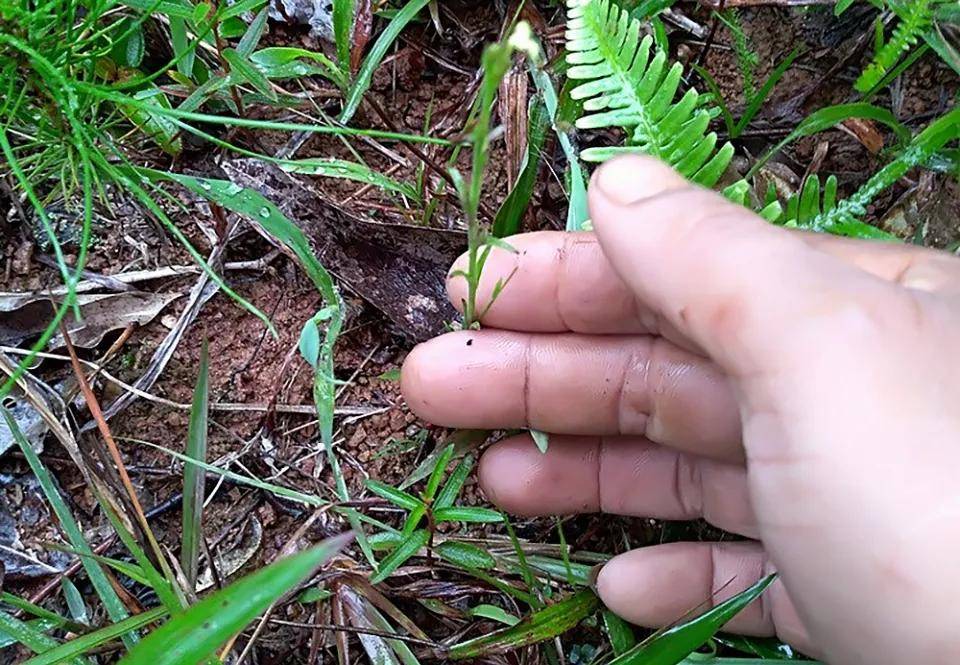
(866, 132)
(25, 315)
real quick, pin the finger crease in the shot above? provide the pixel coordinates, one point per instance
(620, 398)
(561, 272)
(526, 381)
(600, 502)
(687, 486)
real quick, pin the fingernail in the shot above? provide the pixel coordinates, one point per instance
(633, 178)
(619, 182)
(592, 577)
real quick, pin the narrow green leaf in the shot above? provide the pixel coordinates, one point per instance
(406, 549)
(392, 494)
(31, 637)
(372, 61)
(621, 635)
(510, 215)
(465, 555)
(538, 627)
(233, 9)
(115, 608)
(244, 70)
(343, 17)
(89, 641)
(451, 489)
(195, 635)
(193, 476)
(542, 439)
(467, 514)
(252, 36)
(670, 646)
(183, 50)
(330, 167)
(433, 482)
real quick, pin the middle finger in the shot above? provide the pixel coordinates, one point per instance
(575, 384)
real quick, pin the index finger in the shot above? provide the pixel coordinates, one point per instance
(563, 282)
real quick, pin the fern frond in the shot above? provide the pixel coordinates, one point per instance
(917, 18)
(816, 208)
(629, 84)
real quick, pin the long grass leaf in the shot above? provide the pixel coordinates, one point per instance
(98, 578)
(193, 475)
(372, 61)
(538, 627)
(406, 549)
(670, 646)
(84, 643)
(195, 635)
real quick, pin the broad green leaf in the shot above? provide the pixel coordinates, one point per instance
(290, 62)
(193, 476)
(406, 549)
(372, 61)
(89, 641)
(393, 495)
(465, 555)
(538, 627)
(310, 342)
(235, 9)
(495, 613)
(330, 167)
(134, 48)
(258, 209)
(467, 514)
(37, 625)
(672, 645)
(196, 634)
(150, 119)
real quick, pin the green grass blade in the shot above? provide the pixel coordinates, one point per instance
(372, 61)
(468, 514)
(451, 489)
(343, 13)
(538, 627)
(620, 633)
(84, 643)
(31, 637)
(38, 625)
(510, 215)
(406, 549)
(670, 646)
(193, 475)
(829, 117)
(330, 167)
(111, 602)
(195, 635)
(393, 495)
(465, 555)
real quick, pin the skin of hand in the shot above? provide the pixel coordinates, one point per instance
(691, 360)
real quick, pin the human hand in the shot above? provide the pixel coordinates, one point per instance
(694, 361)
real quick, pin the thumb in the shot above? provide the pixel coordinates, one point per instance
(727, 281)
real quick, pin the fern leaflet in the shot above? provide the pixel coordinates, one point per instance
(917, 17)
(631, 85)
